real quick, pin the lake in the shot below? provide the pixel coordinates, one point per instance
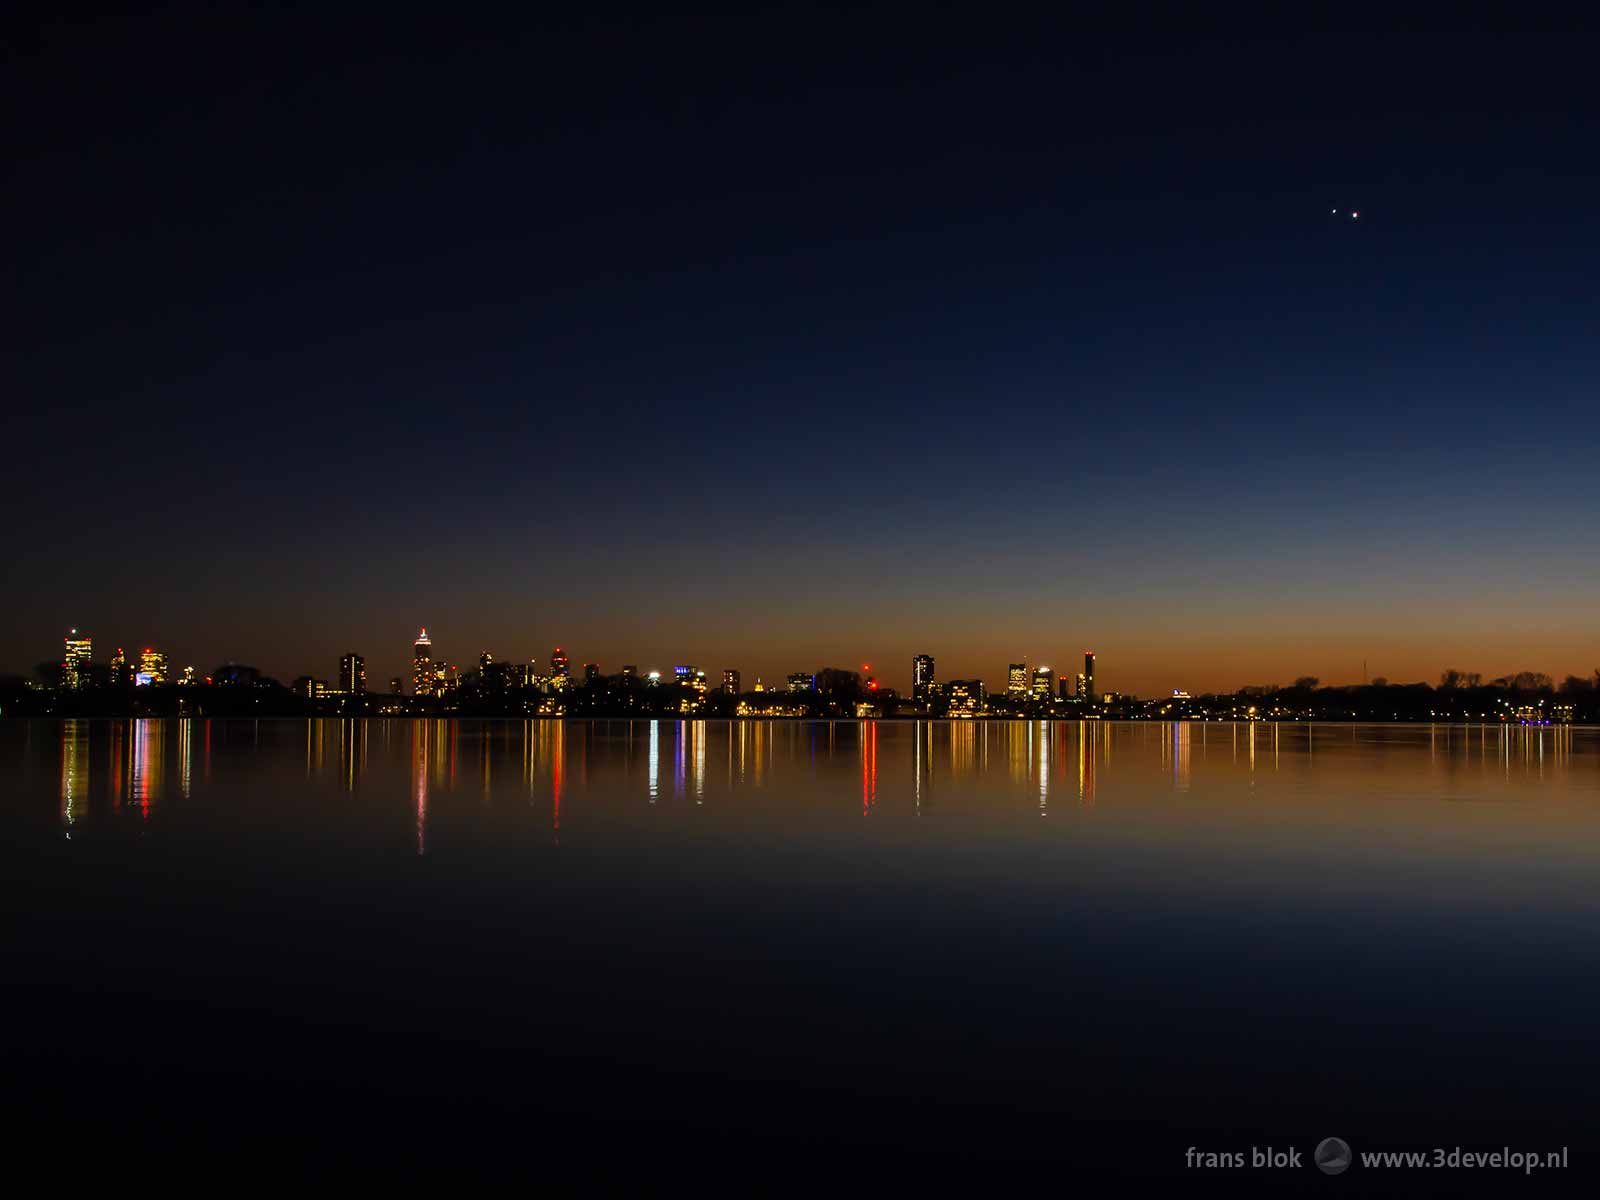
(749, 955)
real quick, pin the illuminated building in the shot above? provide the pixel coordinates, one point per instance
(629, 672)
(558, 664)
(1042, 680)
(801, 682)
(309, 688)
(187, 678)
(591, 672)
(1081, 691)
(396, 685)
(922, 678)
(1017, 679)
(692, 682)
(446, 679)
(730, 682)
(1088, 676)
(152, 666)
(75, 662)
(353, 674)
(966, 697)
(119, 668)
(760, 687)
(422, 665)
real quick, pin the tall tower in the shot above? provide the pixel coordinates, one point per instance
(422, 665)
(75, 662)
(730, 682)
(152, 666)
(1088, 676)
(353, 674)
(558, 664)
(921, 677)
(1017, 679)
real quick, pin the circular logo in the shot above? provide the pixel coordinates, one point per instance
(1332, 1156)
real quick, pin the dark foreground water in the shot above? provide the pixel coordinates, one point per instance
(743, 956)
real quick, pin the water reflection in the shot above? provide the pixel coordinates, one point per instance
(577, 773)
(1087, 741)
(145, 775)
(352, 752)
(74, 772)
(1045, 728)
(869, 767)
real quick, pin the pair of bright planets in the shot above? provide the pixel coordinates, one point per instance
(1354, 215)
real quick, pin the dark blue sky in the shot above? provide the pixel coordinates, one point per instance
(801, 338)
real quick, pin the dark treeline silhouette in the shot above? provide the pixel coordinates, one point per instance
(1458, 696)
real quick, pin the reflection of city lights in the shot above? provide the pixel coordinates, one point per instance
(74, 771)
(655, 760)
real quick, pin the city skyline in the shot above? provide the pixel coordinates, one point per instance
(1013, 674)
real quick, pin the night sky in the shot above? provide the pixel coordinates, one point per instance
(801, 339)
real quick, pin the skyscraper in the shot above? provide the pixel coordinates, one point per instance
(1088, 676)
(730, 681)
(921, 677)
(1042, 677)
(1017, 679)
(75, 662)
(693, 681)
(422, 681)
(966, 697)
(353, 674)
(152, 666)
(558, 664)
(119, 668)
(591, 673)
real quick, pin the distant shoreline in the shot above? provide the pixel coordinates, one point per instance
(721, 719)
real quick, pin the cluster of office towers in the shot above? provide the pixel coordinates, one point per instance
(79, 671)
(969, 697)
(433, 678)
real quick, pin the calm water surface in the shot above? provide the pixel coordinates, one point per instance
(746, 951)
